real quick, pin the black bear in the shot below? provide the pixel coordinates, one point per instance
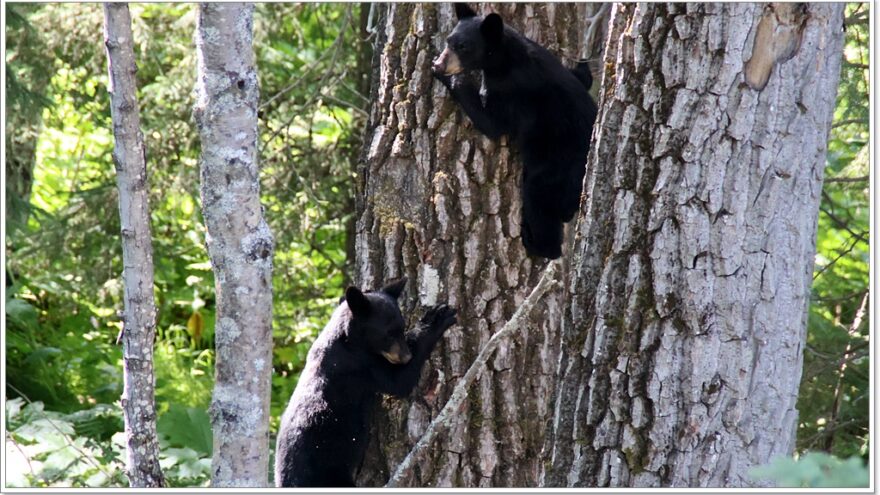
(361, 353)
(543, 107)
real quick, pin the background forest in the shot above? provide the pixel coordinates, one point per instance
(63, 256)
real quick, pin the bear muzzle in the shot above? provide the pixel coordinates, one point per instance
(398, 354)
(447, 63)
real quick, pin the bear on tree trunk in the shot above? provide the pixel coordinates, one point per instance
(361, 353)
(528, 95)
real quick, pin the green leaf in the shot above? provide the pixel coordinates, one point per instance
(21, 313)
(100, 422)
(187, 427)
(43, 354)
(814, 470)
(13, 407)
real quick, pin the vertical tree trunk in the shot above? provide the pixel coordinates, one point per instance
(682, 343)
(139, 321)
(25, 99)
(440, 204)
(239, 243)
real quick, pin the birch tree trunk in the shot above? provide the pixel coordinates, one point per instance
(139, 320)
(440, 204)
(239, 241)
(682, 341)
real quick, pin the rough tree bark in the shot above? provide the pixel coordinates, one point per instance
(239, 241)
(440, 203)
(139, 319)
(682, 342)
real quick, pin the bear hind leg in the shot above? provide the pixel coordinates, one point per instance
(541, 230)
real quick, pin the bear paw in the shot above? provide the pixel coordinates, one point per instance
(439, 318)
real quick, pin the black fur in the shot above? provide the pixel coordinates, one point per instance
(325, 430)
(545, 108)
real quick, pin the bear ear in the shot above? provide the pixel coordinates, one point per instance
(357, 301)
(492, 28)
(463, 11)
(395, 288)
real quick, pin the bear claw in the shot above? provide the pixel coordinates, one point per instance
(440, 317)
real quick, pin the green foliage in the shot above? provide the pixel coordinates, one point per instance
(187, 427)
(184, 376)
(64, 258)
(87, 448)
(311, 124)
(185, 443)
(27, 75)
(814, 470)
(46, 448)
(25, 71)
(184, 467)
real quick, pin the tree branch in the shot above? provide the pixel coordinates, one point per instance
(856, 239)
(848, 179)
(446, 416)
(334, 50)
(594, 26)
(859, 17)
(843, 224)
(838, 388)
(846, 122)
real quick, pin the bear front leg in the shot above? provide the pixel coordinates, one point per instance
(400, 380)
(467, 95)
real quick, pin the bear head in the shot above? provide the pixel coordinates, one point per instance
(377, 323)
(473, 43)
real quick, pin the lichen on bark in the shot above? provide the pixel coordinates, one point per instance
(239, 242)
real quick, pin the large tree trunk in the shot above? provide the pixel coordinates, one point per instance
(682, 341)
(139, 320)
(239, 243)
(441, 204)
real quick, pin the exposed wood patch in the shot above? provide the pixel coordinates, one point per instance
(778, 38)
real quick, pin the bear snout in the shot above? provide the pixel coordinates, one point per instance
(447, 63)
(397, 354)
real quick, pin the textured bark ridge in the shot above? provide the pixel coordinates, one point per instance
(139, 320)
(239, 243)
(441, 204)
(682, 343)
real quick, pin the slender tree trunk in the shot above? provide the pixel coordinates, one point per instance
(240, 243)
(441, 204)
(682, 341)
(139, 321)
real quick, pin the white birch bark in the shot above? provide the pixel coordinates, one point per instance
(239, 243)
(682, 343)
(139, 320)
